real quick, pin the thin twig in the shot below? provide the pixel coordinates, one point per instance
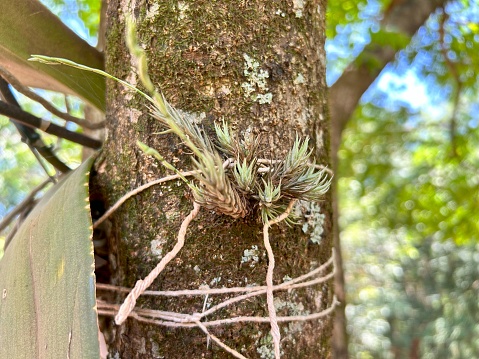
(452, 66)
(179, 317)
(30, 135)
(46, 151)
(208, 338)
(262, 291)
(42, 163)
(197, 316)
(12, 80)
(283, 286)
(141, 285)
(23, 205)
(46, 126)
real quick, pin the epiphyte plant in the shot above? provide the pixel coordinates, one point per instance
(230, 177)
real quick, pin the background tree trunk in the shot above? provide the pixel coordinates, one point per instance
(198, 53)
(405, 16)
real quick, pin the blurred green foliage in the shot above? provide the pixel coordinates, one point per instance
(17, 163)
(446, 49)
(409, 196)
(20, 171)
(350, 26)
(83, 16)
(410, 229)
(341, 13)
(423, 294)
(401, 168)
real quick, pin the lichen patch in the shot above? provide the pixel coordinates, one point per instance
(156, 246)
(298, 7)
(251, 256)
(256, 87)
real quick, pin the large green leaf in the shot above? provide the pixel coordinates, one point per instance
(29, 28)
(47, 280)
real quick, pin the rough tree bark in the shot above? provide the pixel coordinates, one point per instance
(405, 16)
(198, 52)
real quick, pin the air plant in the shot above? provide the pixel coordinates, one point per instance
(230, 178)
(250, 183)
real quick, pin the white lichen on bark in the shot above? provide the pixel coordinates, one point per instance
(251, 256)
(298, 7)
(256, 87)
(313, 220)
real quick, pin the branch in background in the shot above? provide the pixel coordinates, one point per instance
(12, 80)
(452, 121)
(30, 199)
(455, 74)
(67, 110)
(405, 17)
(46, 126)
(29, 135)
(443, 47)
(42, 163)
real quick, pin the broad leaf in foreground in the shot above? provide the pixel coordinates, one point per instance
(47, 280)
(28, 27)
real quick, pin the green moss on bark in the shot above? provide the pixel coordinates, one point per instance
(196, 55)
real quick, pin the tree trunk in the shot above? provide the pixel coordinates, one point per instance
(210, 59)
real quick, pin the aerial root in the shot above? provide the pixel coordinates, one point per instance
(142, 285)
